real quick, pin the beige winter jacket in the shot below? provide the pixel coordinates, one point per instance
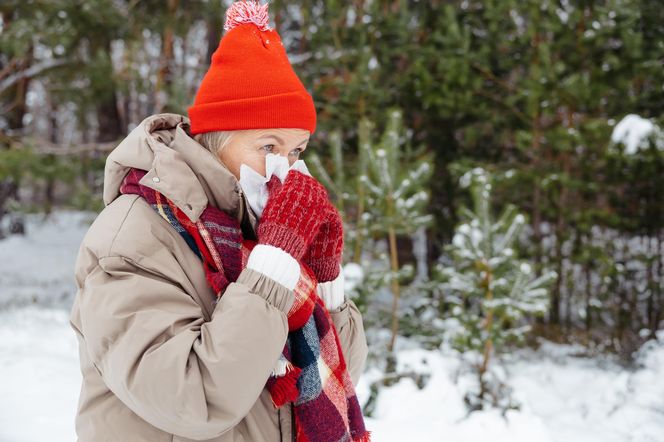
(159, 362)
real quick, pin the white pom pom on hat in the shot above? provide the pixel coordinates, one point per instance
(247, 11)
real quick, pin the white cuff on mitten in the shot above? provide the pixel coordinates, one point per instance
(332, 292)
(276, 264)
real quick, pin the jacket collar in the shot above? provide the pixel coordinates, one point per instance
(178, 167)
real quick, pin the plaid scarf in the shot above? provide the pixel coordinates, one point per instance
(311, 370)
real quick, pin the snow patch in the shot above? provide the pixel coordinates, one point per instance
(634, 131)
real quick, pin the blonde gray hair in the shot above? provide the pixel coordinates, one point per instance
(214, 141)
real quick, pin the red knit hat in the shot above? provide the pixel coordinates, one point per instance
(250, 83)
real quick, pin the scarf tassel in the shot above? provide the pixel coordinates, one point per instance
(285, 387)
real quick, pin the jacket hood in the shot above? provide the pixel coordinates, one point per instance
(177, 166)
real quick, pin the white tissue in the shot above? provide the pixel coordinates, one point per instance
(254, 185)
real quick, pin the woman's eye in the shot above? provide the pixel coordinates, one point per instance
(296, 152)
(268, 148)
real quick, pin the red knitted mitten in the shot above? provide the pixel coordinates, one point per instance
(293, 214)
(324, 253)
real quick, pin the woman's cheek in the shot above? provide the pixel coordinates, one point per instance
(256, 161)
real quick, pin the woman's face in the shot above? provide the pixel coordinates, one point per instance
(250, 147)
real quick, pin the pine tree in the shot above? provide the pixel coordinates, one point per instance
(396, 199)
(488, 290)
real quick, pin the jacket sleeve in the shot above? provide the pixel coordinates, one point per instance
(153, 348)
(348, 322)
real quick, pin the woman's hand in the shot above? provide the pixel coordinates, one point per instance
(294, 213)
(324, 254)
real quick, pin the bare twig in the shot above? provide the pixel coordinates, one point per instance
(32, 71)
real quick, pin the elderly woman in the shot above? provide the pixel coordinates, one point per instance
(210, 301)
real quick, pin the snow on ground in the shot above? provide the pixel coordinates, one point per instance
(38, 267)
(564, 398)
(594, 399)
(39, 375)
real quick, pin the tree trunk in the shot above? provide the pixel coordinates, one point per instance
(215, 28)
(488, 345)
(108, 115)
(164, 74)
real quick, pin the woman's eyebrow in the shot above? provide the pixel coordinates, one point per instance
(272, 136)
(280, 140)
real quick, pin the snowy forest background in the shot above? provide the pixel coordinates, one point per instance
(499, 165)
